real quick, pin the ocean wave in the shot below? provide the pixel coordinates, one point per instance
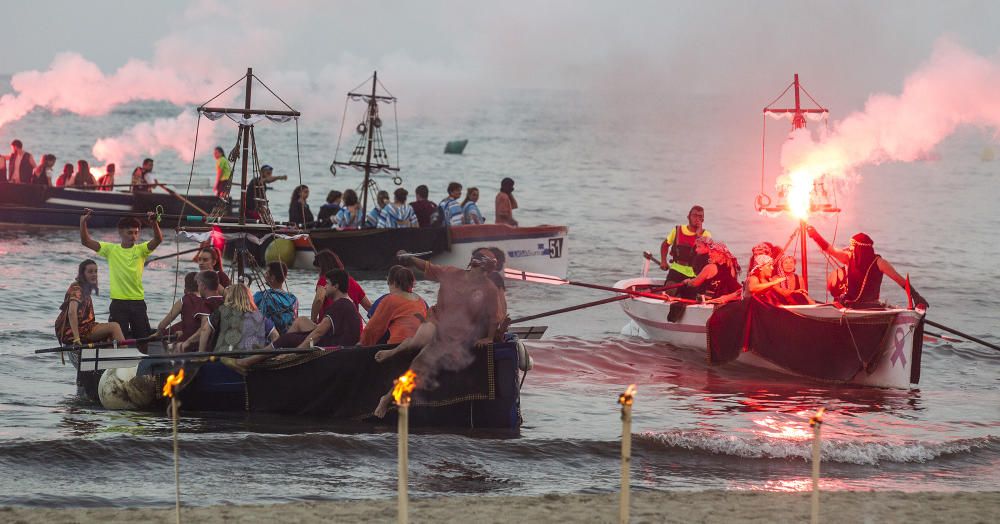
(847, 452)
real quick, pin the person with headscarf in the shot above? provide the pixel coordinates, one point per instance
(718, 279)
(792, 289)
(862, 276)
(761, 280)
(76, 323)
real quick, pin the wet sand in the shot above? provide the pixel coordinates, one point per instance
(705, 506)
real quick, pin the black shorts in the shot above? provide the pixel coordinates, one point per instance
(131, 317)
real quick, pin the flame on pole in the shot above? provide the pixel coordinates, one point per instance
(626, 399)
(816, 421)
(401, 394)
(169, 387)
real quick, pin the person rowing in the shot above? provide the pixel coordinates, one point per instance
(859, 284)
(680, 247)
(76, 323)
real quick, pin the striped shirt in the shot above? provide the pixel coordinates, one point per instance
(346, 219)
(397, 217)
(451, 211)
(471, 214)
(374, 217)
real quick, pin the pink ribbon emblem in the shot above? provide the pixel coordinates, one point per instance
(899, 340)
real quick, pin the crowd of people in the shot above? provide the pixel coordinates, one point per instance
(20, 167)
(343, 210)
(699, 267)
(216, 314)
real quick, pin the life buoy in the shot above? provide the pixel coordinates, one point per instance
(362, 128)
(762, 201)
(397, 180)
(377, 122)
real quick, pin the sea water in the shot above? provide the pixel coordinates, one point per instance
(620, 181)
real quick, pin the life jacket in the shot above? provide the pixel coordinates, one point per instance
(240, 331)
(682, 252)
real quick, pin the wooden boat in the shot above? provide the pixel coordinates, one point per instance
(35, 205)
(892, 362)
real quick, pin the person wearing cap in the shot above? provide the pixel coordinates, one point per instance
(257, 191)
(859, 284)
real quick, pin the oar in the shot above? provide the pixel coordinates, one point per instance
(653, 258)
(182, 198)
(99, 345)
(963, 335)
(515, 274)
(213, 355)
(585, 305)
(172, 255)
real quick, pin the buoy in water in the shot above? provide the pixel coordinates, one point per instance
(455, 147)
(280, 249)
(987, 155)
(120, 388)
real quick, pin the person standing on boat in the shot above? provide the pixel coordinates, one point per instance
(470, 211)
(107, 182)
(223, 173)
(257, 191)
(449, 210)
(142, 177)
(41, 175)
(75, 323)
(679, 246)
(718, 279)
(375, 215)
(20, 164)
(422, 207)
(398, 214)
(298, 208)
(126, 263)
(280, 306)
(349, 216)
(863, 273)
(506, 203)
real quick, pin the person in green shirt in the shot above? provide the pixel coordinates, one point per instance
(126, 261)
(223, 173)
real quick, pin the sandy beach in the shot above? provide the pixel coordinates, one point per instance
(705, 506)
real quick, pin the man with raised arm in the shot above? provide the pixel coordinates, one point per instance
(126, 262)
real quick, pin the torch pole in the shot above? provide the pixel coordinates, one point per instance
(816, 422)
(403, 462)
(805, 257)
(624, 502)
(177, 462)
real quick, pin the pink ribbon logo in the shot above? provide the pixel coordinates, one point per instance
(899, 340)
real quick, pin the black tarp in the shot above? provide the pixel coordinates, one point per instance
(374, 250)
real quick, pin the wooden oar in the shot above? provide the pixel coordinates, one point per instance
(525, 276)
(585, 305)
(94, 345)
(182, 198)
(213, 355)
(172, 255)
(963, 335)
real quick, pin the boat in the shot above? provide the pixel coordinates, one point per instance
(537, 249)
(879, 347)
(339, 383)
(36, 205)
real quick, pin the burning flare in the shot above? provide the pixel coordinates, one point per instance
(626, 398)
(817, 418)
(403, 387)
(173, 380)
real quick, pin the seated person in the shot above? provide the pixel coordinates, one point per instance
(398, 314)
(764, 248)
(339, 324)
(211, 299)
(326, 260)
(209, 258)
(236, 325)
(792, 289)
(76, 324)
(278, 305)
(328, 211)
(762, 280)
(187, 308)
(466, 314)
(717, 280)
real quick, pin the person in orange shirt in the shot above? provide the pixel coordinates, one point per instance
(398, 314)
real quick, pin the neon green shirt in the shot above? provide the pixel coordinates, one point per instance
(223, 169)
(126, 265)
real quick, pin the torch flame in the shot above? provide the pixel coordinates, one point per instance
(817, 418)
(404, 386)
(626, 398)
(173, 380)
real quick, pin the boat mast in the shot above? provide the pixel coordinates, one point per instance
(372, 110)
(799, 122)
(245, 130)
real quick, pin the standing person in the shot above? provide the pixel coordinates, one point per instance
(328, 211)
(142, 177)
(75, 323)
(223, 173)
(423, 208)
(41, 175)
(375, 215)
(506, 203)
(470, 211)
(66, 176)
(349, 216)
(20, 164)
(679, 246)
(298, 208)
(280, 306)
(126, 263)
(398, 214)
(83, 179)
(257, 191)
(107, 182)
(449, 210)
(863, 274)
(209, 258)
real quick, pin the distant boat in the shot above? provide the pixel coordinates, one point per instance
(455, 147)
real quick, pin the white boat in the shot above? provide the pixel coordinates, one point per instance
(896, 361)
(535, 249)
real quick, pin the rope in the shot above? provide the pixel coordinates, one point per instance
(768, 106)
(187, 194)
(343, 119)
(763, 152)
(261, 82)
(242, 78)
